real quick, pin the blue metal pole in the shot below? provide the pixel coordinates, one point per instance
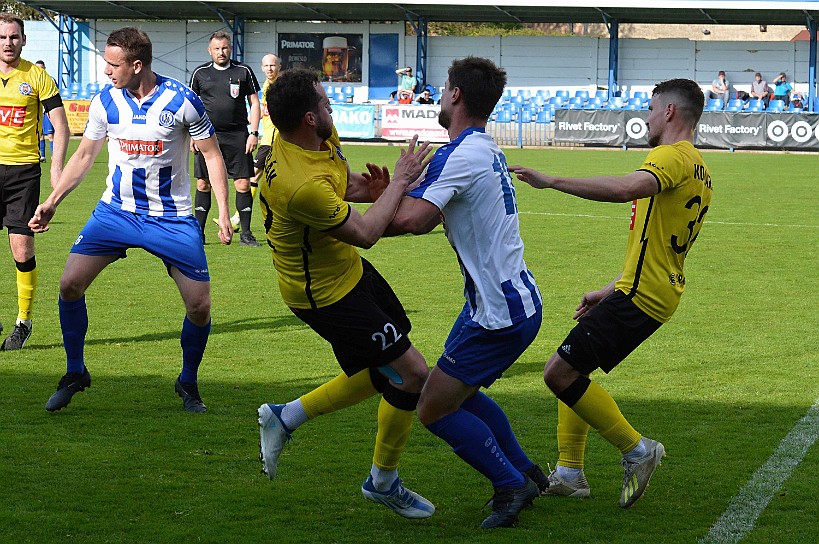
(614, 54)
(812, 65)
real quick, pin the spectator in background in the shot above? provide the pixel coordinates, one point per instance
(424, 98)
(798, 100)
(406, 88)
(760, 89)
(720, 88)
(48, 129)
(782, 89)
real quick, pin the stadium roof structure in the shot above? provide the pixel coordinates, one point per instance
(419, 13)
(771, 12)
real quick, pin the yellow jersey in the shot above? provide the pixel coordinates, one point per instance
(302, 197)
(268, 128)
(664, 227)
(21, 94)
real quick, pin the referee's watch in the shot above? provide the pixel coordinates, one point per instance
(254, 133)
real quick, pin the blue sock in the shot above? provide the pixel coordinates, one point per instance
(74, 325)
(193, 339)
(473, 441)
(488, 411)
(42, 148)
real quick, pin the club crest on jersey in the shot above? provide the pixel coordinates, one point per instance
(166, 119)
(234, 90)
(340, 155)
(25, 89)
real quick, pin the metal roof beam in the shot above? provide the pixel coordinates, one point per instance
(135, 11)
(708, 16)
(317, 12)
(508, 14)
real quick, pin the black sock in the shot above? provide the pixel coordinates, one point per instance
(201, 207)
(244, 203)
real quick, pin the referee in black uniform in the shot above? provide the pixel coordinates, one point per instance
(224, 86)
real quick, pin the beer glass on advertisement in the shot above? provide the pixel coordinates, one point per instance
(335, 58)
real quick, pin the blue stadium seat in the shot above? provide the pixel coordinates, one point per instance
(518, 99)
(563, 94)
(632, 107)
(576, 103)
(504, 116)
(582, 94)
(602, 94)
(525, 93)
(634, 101)
(755, 107)
(594, 103)
(340, 98)
(75, 89)
(756, 103)
(793, 109)
(714, 104)
(543, 93)
(642, 95)
(557, 101)
(544, 117)
(348, 90)
(507, 95)
(623, 94)
(330, 90)
(735, 104)
(616, 103)
(776, 106)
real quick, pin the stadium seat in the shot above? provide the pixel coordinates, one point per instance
(85, 94)
(543, 117)
(602, 94)
(507, 95)
(518, 99)
(330, 90)
(623, 94)
(642, 95)
(526, 94)
(543, 93)
(755, 107)
(582, 94)
(756, 103)
(75, 89)
(556, 101)
(776, 106)
(793, 109)
(576, 103)
(340, 98)
(563, 94)
(634, 101)
(616, 103)
(735, 104)
(631, 107)
(594, 103)
(504, 116)
(714, 104)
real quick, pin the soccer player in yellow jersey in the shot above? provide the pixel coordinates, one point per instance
(313, 232)
(27, 90)
(671, 194)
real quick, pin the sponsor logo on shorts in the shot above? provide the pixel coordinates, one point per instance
(12, 116)
(201, 270)
(448, 357)
(566, 348)
(78, 240)
(140, 147)
(25, 89)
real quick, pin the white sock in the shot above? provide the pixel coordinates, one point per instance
(293, 414)
(383, 479)
(638, 451)
(569, 474)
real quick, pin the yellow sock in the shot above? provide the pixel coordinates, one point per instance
(26, 285)
(393, 431)
(254, 188)
(340, 392)
(600, 411)
(572, 431)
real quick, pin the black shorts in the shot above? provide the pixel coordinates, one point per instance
(607, 334)
(238, 163)
(261, 156)
(367, 328)
(19, 196)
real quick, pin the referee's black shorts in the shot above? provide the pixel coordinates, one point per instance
(19, 196)
(607, 334)
(261, 156)
(367, 328)
(238, 163)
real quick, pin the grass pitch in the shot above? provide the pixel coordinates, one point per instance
(720, 385)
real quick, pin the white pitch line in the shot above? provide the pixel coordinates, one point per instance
(741, 515)
(625, 220)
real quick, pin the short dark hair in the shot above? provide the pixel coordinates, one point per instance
(219, 35)
(686, 95)
(757, 74)
(134, 42)
(481, 83)
(291, 96)
(11, 18)
(721, 73)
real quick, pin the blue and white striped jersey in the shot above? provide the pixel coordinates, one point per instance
(469, 182)
(148, 146)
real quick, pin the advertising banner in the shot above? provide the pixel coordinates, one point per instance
(77, 113)
(402, 122)
(724, 130)
(354, 120)
(593, 126)
(336, 57)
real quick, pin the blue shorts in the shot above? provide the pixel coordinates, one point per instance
(175, 240)
(478, 356)
(48, 128)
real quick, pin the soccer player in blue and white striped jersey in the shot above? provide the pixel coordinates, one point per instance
(468, 186)
(148, 121)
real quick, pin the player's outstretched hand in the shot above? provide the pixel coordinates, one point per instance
(225, 230)
(42, 215)
(412, 162)
(536, 179)
(377, 177)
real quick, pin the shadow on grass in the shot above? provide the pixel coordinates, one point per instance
(240, 325)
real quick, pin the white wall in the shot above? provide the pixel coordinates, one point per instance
(532, 62)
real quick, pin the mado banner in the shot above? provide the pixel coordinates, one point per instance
(354, 120)
(403, 122)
